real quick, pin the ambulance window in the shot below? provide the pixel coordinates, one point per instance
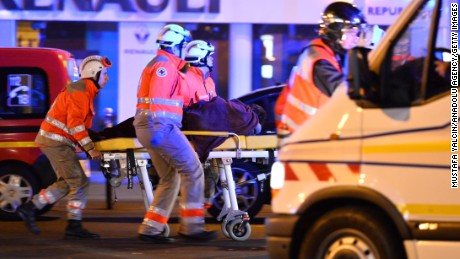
(23, 93)
(403, 71)
(439, 73)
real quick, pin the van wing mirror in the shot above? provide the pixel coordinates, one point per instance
(359, 75)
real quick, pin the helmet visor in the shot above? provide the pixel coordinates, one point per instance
(106, 62)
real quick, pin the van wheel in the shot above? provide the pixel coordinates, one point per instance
(17, 185)
(351, 232)
(250, 196)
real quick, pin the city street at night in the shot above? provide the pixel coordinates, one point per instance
(118, 230)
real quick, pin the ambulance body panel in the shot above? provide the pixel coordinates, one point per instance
(370, 174)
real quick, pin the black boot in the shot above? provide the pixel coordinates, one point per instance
(75, 230)
(27, 213)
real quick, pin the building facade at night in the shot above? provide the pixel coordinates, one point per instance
(257, 41)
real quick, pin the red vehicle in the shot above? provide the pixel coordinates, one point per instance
(30, 80)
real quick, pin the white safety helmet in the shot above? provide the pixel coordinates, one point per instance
(197, 52)
(91, 65)
(172, 35)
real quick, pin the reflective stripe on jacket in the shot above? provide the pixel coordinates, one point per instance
(159, 88)
(301, 97)
(70, 116)
(197, 88)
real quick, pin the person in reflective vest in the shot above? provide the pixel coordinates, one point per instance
(200, 85)
(319, 67)
(64, 129)
(203, 108)
(157, 123)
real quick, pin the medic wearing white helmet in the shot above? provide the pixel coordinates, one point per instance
(157, 123)
(234, 115)
(200, 85)
(64, 129)
(319, 68)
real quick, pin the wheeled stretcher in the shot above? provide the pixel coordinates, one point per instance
(132, 158)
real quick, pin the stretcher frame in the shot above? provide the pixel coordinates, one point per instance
(235, 223)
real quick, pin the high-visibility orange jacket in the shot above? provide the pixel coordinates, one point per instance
(301, 98)
(70, 116)
(199, 87)
(159, 88)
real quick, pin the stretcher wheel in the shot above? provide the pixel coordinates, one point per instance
(166, 231)
(251, 196)
(237, 232)
(224, 226)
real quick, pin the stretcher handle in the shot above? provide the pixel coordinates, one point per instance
(216, 134)
(207, 133)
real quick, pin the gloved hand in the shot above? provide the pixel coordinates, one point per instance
(95, 154)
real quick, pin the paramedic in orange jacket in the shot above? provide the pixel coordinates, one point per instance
(63, 130)
(200, 85)
(157, 123)
(319, 68)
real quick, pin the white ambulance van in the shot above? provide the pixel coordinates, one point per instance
(374, 173)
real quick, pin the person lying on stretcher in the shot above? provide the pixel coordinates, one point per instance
(203, 111)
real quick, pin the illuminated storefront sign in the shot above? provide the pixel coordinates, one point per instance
(197, 11)
(97, 6)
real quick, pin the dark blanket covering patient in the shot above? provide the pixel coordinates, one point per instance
(124, 129)
(216, 115)
(220, 115)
